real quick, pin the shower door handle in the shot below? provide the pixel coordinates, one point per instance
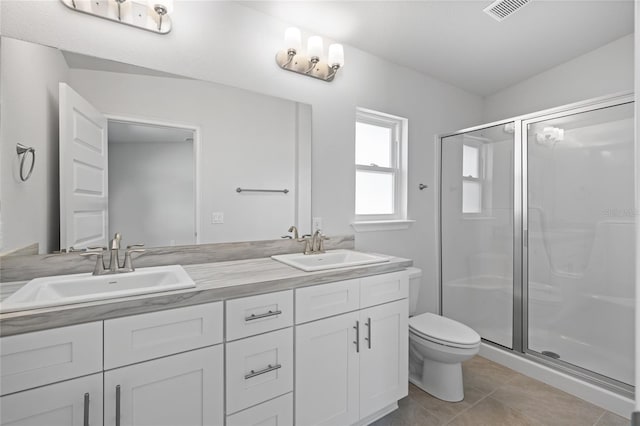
(525, 238)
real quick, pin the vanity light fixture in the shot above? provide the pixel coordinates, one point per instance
(312, 63)
(150, 15)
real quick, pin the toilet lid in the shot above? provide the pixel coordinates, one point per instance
(443, 329)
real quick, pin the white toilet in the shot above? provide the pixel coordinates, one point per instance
(437, 347)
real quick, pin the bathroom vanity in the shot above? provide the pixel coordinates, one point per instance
(254, 341)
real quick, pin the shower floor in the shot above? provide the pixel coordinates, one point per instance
(496, 395)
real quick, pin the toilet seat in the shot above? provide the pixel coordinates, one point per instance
(444, 331)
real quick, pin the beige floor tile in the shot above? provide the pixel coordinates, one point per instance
(409, 413)
(490, 412)
(546, 404)
(486, 375)
(443, 410)
(610, 419)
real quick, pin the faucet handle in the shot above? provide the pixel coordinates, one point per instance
(133, 248)
(98, 252)
(321, 244)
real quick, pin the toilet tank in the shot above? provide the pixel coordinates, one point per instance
(415, 280)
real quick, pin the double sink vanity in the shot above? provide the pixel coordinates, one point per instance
(294, 339)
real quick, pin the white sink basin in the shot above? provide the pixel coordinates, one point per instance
(332, 259)
(78, 288)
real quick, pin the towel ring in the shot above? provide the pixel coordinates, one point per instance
(24, 150)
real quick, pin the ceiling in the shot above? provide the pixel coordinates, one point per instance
(456, 42)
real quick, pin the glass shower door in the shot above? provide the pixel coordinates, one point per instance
(580, 257)
(476, 212)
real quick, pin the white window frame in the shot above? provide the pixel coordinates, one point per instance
(399, 132)
(485, 155)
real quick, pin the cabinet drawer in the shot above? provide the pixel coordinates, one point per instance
(35, 359)
(325, 300)
(253, 315)
(259, 368)
(384, 288)
(61, 404)
(138, 338)
(277, 412)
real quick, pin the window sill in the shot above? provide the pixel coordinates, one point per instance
(382, 225)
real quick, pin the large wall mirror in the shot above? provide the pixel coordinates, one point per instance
(163, 159)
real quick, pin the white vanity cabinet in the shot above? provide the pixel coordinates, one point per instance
(353, 366)
(335, 352)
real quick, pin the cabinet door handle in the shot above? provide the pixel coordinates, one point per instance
(368, 338)
(263, 371)
(118, 405)
(357, 341)
(86, 410)
(265, 315)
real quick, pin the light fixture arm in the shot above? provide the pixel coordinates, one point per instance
(313, 62)
(161, 11)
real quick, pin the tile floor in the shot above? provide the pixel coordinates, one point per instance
(495, 396)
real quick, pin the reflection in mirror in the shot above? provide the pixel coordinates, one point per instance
(172, 152)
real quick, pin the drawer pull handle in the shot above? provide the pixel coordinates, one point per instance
(86, 410)
(118, 405)
(368, 338)
(265, 315)
(357, 341)
(263, 371)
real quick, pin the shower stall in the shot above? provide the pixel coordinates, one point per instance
(537, 237)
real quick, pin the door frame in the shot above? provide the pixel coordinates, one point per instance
(197, 150)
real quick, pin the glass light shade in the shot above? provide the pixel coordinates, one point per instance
(167, 4)
(336, 55)
(292, 39)
(314, 46)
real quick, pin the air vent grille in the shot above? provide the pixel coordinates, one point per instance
(502, 9)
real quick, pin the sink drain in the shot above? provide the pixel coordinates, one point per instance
(551, 354)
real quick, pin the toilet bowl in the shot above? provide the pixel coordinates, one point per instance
(437, 348)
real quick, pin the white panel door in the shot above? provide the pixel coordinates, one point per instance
(83, 172)
(327, 372)
(75, 402)
(185, 389)
(383, 356)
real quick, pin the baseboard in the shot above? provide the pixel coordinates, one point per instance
(377, 415)
(589, 392)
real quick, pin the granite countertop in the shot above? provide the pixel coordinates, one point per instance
(214, 282)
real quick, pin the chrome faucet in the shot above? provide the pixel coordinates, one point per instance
(314, 244)
(114, 258)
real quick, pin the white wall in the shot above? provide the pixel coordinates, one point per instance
(151, 192)
(230, 44)
(246, 140)
(29, 82)
(603, 71)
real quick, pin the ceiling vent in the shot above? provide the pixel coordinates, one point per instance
(502, 9)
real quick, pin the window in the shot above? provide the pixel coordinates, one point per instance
(381, 158)
(471, 182)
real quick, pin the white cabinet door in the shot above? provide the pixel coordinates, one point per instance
(383, 356)
(327, 371)
(75, 402)
(184, 389)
